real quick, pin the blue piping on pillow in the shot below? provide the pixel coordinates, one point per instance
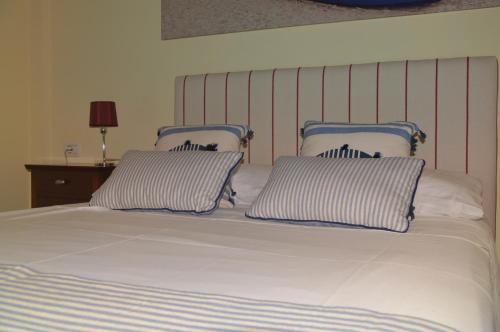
(323, 223)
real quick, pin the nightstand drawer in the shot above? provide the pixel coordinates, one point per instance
(61, 184)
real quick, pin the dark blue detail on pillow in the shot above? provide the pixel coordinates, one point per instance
(345, 152)
(422, 135)
(187, 146)
(249, 136)
(411, 213)
(413, 145)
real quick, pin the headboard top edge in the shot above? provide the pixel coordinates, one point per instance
(242, 71)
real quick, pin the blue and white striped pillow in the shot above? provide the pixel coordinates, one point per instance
(372, 192)
(346, 152)
(187, 181)
(393, 139)
(227, 137)
(188, 146)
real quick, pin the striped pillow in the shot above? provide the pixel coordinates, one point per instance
(227, 137)
(188, 181)
(373, 193)
(393, 139)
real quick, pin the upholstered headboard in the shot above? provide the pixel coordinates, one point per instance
(453, 100)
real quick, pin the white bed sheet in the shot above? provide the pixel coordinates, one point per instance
(443, 270)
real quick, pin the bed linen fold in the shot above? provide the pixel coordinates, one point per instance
(42, 301)
(441, 271)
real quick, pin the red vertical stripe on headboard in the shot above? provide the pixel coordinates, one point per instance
(349, 96)
(406, 90)
(467, 119)
(272, 119)
(248, 114)
(205, 99)
(225, 99)
(496, 147)
(297, 132)
(436, 116)
(323, 95)
(184, 101)
(378, 87)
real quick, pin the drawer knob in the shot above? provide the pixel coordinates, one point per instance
(60, 182)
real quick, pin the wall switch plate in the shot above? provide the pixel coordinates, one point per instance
(72, 150)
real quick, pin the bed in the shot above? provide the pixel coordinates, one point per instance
(87, 268)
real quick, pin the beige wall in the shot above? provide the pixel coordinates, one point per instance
(14, 103)
(112, 50)
(85, 50)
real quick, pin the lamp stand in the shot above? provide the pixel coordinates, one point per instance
(104, 162)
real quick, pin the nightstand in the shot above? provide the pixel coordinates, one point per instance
(54, 184)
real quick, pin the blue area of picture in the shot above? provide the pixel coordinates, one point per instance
(376, 3)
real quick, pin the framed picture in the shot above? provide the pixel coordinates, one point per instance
(190, 18)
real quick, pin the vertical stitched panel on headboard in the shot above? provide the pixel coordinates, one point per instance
(421, 99)
(452, 114)
(285, 103)
(453, 100)
(391, 92)
(215, 86)
(262, 117)
(336, 94)
(364, 93)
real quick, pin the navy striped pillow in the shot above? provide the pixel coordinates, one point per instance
(371, 192)
(188, 146)
(345, 152)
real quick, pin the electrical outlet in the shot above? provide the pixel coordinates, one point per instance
(72, 150)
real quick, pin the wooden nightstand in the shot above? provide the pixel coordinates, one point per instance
(54, 184)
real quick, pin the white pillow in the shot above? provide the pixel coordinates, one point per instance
(449, 194)
(248, 182)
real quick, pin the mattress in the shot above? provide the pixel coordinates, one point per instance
(442, 270)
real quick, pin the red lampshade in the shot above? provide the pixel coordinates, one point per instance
(103, 114)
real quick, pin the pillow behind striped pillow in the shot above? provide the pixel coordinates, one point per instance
(346, 152)
(371, 192)
(187, 181)
(227, 137)
(393, 139)
(188, 146)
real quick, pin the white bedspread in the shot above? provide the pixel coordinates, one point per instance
(442, 270)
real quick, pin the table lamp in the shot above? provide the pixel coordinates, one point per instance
(103, 115)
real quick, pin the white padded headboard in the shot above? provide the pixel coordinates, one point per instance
(453, 100)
